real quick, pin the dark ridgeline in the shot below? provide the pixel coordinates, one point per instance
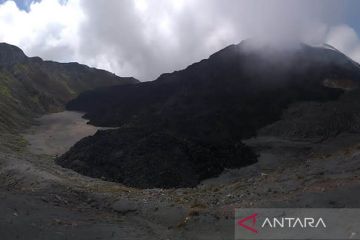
(31, 86)
(188, 125)
(10, 55)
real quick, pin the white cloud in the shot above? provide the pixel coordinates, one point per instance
(50, 29)
(145, 38)
(356, 54)
(345, 39)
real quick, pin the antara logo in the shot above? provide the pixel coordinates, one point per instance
(283, 222)
(307, 222)
(253, 219)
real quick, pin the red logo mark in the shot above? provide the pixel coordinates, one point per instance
(251, 217)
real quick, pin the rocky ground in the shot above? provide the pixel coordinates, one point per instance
(40, 200)
(189, 125)
(145, 159)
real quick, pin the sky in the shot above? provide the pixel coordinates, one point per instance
(145, 38)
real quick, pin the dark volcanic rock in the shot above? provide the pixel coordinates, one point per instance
(318, 120)
(218, 101)
(145, 159)
(230, 95)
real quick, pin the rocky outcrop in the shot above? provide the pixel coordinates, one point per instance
(318, 121)
(145, 159)
(219, 101)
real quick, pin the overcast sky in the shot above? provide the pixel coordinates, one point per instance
(144, 38)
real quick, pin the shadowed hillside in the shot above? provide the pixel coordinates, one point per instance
(215, 103)
(233, 83)
(31, 86)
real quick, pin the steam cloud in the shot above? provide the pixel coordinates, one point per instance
(144, 38)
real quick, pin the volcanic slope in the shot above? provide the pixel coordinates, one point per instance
(188, 125)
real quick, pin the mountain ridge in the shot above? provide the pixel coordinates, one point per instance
(10, 54)
(215, 103)
(30, 86)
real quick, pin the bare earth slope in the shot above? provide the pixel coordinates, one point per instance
(55, 133)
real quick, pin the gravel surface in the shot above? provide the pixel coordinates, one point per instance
(41, 200)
